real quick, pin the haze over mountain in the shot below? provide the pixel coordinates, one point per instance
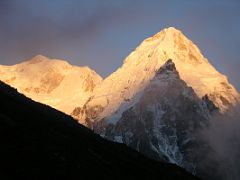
(164, 94)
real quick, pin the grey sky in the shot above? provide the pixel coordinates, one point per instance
(101, 33)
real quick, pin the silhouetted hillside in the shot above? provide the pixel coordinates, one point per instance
(38, 142)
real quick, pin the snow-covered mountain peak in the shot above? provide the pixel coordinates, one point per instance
(52, 81)
(38, 58)
(41, 65)
(173, 44)
(42, 62)
(170, 32)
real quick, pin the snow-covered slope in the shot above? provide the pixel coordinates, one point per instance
(140, 67)
(53, 82)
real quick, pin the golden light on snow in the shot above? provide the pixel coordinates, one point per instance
(65, 87)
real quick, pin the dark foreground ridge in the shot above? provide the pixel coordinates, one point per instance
(39, 143)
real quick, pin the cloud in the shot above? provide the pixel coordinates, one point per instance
(223, 136)
(30, 27)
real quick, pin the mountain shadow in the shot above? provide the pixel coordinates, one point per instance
(38, 142)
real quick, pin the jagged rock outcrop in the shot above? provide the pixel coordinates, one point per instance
(164, 123)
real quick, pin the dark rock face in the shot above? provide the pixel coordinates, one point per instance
(165, 122)
(89, 113)
(38, 143)
(206, 102)
(169, 66)
(89, 84)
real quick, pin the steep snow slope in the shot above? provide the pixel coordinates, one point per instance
(53, 82)
(140, 67)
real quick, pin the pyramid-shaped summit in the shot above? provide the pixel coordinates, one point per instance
(173, 43)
